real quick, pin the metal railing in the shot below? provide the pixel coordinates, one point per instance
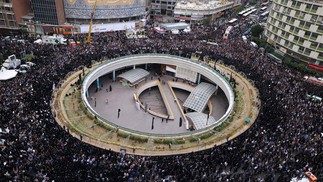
(145, 134)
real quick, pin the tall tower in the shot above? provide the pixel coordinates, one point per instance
(48, 11)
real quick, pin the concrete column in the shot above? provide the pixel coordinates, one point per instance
(146, 66)
(114, 75)
(97, 83)
(198, 78)
(134, 66)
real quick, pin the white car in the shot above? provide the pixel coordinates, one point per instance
(175, 31)
(31, 64)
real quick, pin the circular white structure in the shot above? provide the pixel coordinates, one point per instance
(188, 64)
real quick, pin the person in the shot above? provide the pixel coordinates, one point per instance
(119, 110)
(152, 123)
(33, 149)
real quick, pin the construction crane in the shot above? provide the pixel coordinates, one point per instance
(88, 40)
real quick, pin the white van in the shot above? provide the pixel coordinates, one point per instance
(244, 38)
(253, 44)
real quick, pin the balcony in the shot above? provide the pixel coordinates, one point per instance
(313, 47)
(313, 38)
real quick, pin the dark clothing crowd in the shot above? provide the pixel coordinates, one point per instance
(284, 142)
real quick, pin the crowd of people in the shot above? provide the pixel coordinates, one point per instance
(284, 142)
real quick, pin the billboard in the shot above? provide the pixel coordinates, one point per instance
(81, 9)
(108, 27)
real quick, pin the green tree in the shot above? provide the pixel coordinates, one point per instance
(253, 2)
(207, 21)
(1, 59)
(238, 9)
(256, 30)
(29, 57)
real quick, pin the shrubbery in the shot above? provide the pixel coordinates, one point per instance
(221, 127)
(302, 67)
(206, 135)
(166, 142)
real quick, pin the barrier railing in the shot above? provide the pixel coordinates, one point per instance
(145, 134)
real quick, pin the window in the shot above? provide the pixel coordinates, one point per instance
(301, 14)
(280, 24)
(313, 18)
(307, 24)
(296, 30)
(320, 19)
(307, 34)
(286, 43)
(301, 49)
(293, 3)
(321, 46)
(314, 45)
(302, 23)
(301, 40)
(314, 36)
(307, 51)
(314, 8)
(320, 28)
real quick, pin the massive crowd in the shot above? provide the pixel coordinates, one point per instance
(284, 142)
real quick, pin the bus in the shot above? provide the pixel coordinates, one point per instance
(231, 22)
(249, 13)
(265, 3)
(274, 58)
(227, 32)
(246, 10)
(263, 9)
(264, 14)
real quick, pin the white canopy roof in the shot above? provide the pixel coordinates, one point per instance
(200, 120)
(198, 99)
(7, 74)
(134, 75)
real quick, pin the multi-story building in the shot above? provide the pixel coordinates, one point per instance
(162, 7)
(199, 10)
(48, 11)
(296, 28)
(191, 10)
(12, 11)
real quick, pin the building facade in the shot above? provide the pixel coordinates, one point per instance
(12, 11)
(79, 11)
(197, 11)
(48, 11)
(296, 28)
(162, 7)
(191, 10)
